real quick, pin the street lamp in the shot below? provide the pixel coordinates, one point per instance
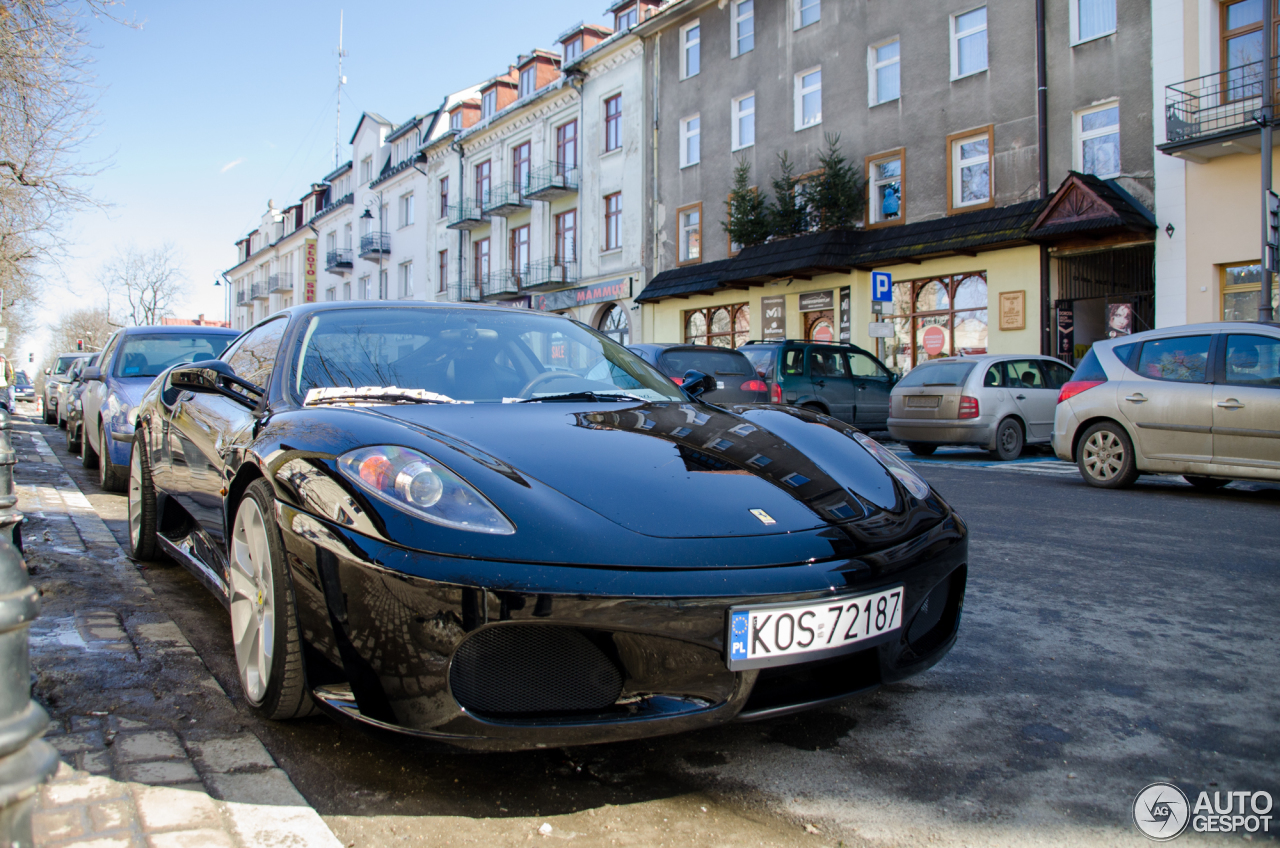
(367, 215)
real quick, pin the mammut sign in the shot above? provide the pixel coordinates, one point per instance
(619, 289)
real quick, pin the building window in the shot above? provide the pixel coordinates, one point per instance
(1098, 141)
(382, 284)
(1242, 292)
(884, 181)
(406, 209)
(521, 163)
(529, 80)
(455, 120)
(442, 270)
(807, 12)
(945, 315)
(886, 72)
(691, 50)
(346, 236)
(567, 236)
(573, 49)
(346, 291)
(744, 27)
(613, 123)
(406, 279)
(1092, 19)
(483, 182)
(690, 222)
(365, 290)
(331, 241)
(480, 255)
(488, 103)
(613, 221)
(969, 42)
(519, 252)
(690, 141)
(331, 294)
(744, 121)
(567, 147)
(969, 174)
(1244, 45)
(444, 197)
(366, 169)
(625, 19)
(808, 98)
(615, 324)
(722, 326)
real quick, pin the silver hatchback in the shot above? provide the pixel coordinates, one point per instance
(997, 402)
(1202, 400)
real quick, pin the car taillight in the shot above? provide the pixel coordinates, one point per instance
(754, 386)
(775, 393)
(968, 407)
(1071, 388)
(679, 381)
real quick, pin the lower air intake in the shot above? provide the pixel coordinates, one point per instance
(533, 669)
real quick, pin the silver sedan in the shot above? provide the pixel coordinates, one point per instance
(997, 402)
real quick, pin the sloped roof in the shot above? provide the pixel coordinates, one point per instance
(968, 231)
(682, 282)
(1086, 204)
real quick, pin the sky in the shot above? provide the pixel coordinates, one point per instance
(208, 110)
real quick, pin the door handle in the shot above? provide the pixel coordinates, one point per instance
(1230, 403)
(1021, 397)
(1136, 398)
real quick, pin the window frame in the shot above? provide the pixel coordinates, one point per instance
(566, 141)
(1224, 288)
(899, 153)
(1268, 26)
(444, 197)
(915, 317)
(1079, 137)
(513, 243)
(685, 46)
(406, 279)
(613, 122)
(953, 165)
(735, 311)
(481, 249)
(797, 10)
(406, 210)
(528, 75)
(684, 140)
(366, 169)
(632, 12)
(442, 268)
(1074, 14)
(799, 92)
(873, 68)
(572, 49)
(955, 42)
(736, 19)
(736, 115)
(521, 158)
(483, 172)
(612, 222)
(563, 257)
(680, 235)
(488, 104)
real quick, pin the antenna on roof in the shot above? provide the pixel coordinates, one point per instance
(337, 128)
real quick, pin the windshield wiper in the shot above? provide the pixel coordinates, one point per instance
(373, 395)
(614, 396)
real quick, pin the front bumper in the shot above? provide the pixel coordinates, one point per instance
(386, 628)
(943, 432)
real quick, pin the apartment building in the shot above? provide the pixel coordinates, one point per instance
(989, 235)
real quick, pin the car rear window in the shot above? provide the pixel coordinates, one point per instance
(762, 359)
(64, 363)
(148, 355)
(727, 363)
(939, 374)
(1181, 359)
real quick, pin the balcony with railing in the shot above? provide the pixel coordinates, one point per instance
(507, 199)
(280, 282)
(242, 297)
(506, 284)
(259, 291)
(555, 179)
(551, 273)
(467, 215)
(338, 261)
(375, 245)
(465, 290)
(1218, 113)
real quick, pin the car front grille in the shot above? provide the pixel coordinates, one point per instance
(526, 670)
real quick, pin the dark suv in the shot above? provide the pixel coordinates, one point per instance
(735, 378)
(841, 380)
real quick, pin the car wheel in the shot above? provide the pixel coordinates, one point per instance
(73, 444)
(142, 503)
(1106, 457)
(1205, 484)
(921, 450)
(62, 422)
(50, 414)
(264, 628)
(111, 477)
(88, 456)
(1008, 440)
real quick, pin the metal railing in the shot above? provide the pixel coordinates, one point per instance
(504, 284)
(1219, 102)
(374, 243)
(465, 291)
(551, 273)
(506, 198)
(467, 215)
(280, 282)
(552, 180)
(242, 297)
(259, 291)
(340, 258)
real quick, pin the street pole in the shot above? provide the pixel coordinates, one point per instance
(25, 760)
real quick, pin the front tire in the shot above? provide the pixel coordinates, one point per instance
(142, 503)
(1106, 457)
(1009, 440)
(73, 444)
(111, 477)
(50, 414)
(264, 628)
(1205, 484)
(921, 449)
(88, 456)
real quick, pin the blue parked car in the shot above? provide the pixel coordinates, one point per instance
(128, 364)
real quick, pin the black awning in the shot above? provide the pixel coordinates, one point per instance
(682, 282)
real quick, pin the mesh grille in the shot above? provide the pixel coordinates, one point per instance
(935, 604)
(533, 669)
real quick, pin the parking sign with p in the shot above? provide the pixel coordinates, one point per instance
(882, 286)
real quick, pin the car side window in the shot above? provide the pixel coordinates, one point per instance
(994, 376)
(792, 362)
(255, 356)
(1181, 359)
(1055, 373)
(861, 365)
(109, 351)
(1253, 360)
(827, 363)
(1024, 374)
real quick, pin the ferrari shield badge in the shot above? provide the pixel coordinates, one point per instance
(765, 518)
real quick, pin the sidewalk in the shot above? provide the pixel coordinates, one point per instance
(153, 752)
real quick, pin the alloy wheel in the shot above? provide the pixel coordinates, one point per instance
(135, 499)
(1103, 455)
(253, 621)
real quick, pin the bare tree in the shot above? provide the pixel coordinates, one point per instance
(149, 282)
(91, 325)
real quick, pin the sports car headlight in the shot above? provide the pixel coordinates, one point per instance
(913, 482)
(424, 488)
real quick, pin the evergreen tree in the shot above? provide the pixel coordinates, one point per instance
(838, 198)
(748, 215)
(789, 211)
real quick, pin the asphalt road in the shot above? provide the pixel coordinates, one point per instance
(1109, 640)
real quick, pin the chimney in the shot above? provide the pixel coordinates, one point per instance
(200, 320)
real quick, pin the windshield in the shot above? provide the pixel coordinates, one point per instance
(64, 363)
(21, 379)
(941, 374)
(466, 354)
(148, 355)
(717, 363)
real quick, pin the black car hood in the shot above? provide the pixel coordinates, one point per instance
(687, 470)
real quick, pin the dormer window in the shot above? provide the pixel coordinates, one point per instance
(529, 80)
(488, 103)
(455, 120)
(366, 169)
(573, 48)
(626, 19)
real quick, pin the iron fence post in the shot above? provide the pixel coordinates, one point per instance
(25, 760)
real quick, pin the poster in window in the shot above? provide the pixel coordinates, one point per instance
(775, 317)
(846, 318)
(1013, 310)
(1066, 333)
(1119, 319)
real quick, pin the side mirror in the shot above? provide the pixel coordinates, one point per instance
(695, 383)
(48, 371)
(92, 374)
(215, 376)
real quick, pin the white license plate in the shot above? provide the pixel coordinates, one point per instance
(781, 634)
(923, 401)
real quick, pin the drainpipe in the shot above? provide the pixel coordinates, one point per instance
(456, 145)
(1269, 263)
(1042, 127)
(653, 206)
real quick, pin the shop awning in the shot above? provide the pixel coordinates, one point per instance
(682, 282)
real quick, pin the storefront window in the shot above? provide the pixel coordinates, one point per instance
(722, 326)
(614, 324)
(1242, 292)
(937, 317)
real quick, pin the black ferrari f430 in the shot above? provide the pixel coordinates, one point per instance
(498, 529)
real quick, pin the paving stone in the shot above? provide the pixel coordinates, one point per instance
(118, 723)
(114, 815)
(163, 808)
(161, 631)
(80, 724)
(73, 743)
(165, 773)
(142, 747)
(95, 762)
(104, 842)
(270, 788)
(190, 839)
(238, 754)
(283, 826)
(52, 825)
(83, 790)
